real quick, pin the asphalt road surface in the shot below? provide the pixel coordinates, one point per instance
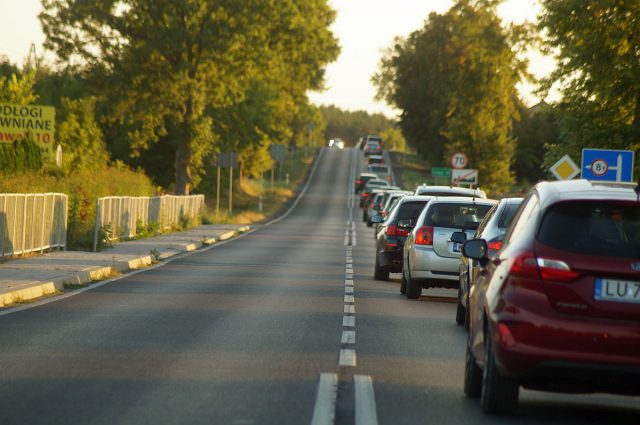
(282, 326)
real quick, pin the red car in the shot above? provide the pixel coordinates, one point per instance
(558, 308)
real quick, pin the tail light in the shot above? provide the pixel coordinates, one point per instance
(529, 266)
(359, 181)
(494, 246)
(424, 235)
(392, 230)
(403, 232)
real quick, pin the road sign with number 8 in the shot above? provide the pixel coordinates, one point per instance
(459, 160)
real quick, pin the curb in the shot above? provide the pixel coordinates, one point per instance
(93, 274)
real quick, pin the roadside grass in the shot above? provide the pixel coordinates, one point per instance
(247, 192)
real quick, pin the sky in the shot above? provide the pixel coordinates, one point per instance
(364, 29)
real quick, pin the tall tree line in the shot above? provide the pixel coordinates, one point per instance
(188, 78)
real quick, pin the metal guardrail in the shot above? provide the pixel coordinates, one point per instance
(123, 214)
(31, 222)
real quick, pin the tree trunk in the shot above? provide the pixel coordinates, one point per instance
(183, 170)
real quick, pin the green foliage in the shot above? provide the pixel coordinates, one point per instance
(455, 82)
(164, 66)
(20, 156)
(105, 236)
(18, 88)
(536, 133)
(83, 186)
(80, 136)
(351, 125)
(596, 44)
(151, 229)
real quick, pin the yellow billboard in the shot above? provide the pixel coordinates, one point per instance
(38, 121)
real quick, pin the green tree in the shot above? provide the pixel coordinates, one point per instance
(80, 136)
(455, 82)
(165, 63)
(597, 45)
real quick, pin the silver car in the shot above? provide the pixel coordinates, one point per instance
(431, 258)
(492, 230)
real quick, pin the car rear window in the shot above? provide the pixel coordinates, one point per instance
(377, 183)
(593, 228)
(379, 169)
(438, 193)
(410, 210)
(507, 215)
(455, 215)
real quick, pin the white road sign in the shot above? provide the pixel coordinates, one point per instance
(464, 176)
(459, 160)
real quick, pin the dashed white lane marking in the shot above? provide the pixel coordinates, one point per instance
(348, 337)
(324, 411)
(348, 282)
(350, 309)
(349, 299)
(348, 289)
(349, 321)
(347, 357)
(365, 401)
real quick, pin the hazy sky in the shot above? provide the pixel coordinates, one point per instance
(364, 29)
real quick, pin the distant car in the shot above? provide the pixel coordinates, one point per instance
(559, 308)
(492, 230)
(382, 171)
(449, 191)
(392, 233)
(336, 143)
(372, 148)
(373, 206)
(375, 159)
(369, 186)
(363, 179)
(430, 257)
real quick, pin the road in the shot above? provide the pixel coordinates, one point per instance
(256, 331)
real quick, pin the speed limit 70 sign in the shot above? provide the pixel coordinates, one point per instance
(459, 160)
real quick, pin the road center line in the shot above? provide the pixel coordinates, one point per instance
(350, 309)
(324, 411)
(349, 321)
(347, 357)
(349, 299)
(348, 282)
(348, 289)
(365, 401)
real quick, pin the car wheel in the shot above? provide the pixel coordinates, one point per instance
(499, 393)
(403, 284)
(460, 310)
(369, 223)
(472, 374)
(414, 288)
(379, 273)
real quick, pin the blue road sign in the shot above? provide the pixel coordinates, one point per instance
(607, 165)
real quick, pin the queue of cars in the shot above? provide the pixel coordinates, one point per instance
(548, 285)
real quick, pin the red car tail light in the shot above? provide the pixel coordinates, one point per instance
(424, 235)
(529, 266)
(506, 338)
(359, 181)
(392, 230)
(494, 246)
(556, 270)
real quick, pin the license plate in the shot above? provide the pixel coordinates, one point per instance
(457, 247)
(623, 291)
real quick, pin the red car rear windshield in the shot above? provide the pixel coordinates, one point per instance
(594, 228)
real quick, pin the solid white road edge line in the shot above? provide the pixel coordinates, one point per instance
(324, 411)
(365, 401)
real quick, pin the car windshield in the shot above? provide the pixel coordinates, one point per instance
(455, 215)
(593, 228)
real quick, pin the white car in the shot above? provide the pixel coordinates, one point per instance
(336, 143)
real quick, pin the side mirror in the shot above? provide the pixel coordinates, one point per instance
(459, 237)
(476, 249)
(376, 219)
